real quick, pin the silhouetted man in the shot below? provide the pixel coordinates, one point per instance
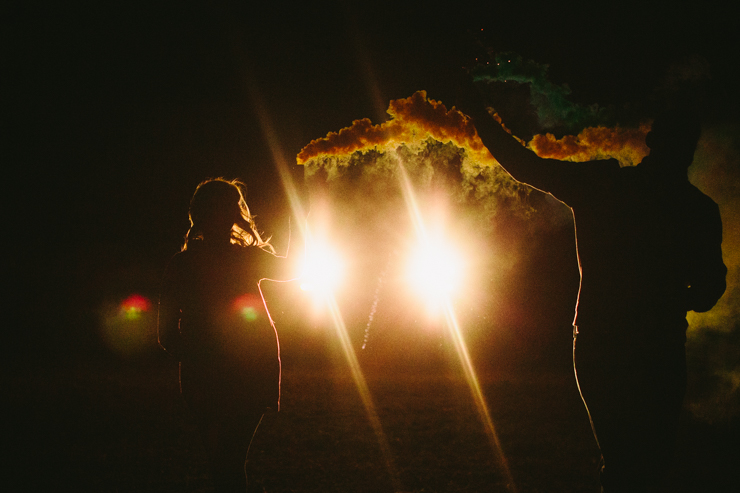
(649, 250)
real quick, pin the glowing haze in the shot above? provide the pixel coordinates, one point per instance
(460, 185)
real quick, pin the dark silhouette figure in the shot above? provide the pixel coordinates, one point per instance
(649, 250)
(213, 319)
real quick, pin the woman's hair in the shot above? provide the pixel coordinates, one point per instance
(219, 203)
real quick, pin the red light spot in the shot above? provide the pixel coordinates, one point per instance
(249, 306)
(136, 302)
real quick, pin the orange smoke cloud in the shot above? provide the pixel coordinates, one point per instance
(625, 144)
(416, 119)
(413, 120)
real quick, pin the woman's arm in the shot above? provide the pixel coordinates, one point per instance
(168, 317)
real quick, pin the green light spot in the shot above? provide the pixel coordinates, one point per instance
(249, 314)
(133, 313)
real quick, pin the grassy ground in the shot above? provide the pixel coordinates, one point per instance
(123, 427)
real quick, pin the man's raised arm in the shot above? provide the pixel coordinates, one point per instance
(521, 163)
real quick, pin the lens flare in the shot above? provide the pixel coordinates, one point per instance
(249, 307)
(128, 326)
(133, 306)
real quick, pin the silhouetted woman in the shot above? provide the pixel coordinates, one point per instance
(213, 319)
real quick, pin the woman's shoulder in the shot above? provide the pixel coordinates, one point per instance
(194, 254)
(258, 255)
(222, 255)
(176, 259)
(182, 257)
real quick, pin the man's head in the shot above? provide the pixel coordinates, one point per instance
(672, 140)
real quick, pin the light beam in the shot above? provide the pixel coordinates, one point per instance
(476, 392)
(363, 390)
(456, 334)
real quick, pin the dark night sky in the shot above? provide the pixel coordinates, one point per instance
(114, 114)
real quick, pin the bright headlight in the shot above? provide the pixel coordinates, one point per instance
(322, 269)
(435, 270)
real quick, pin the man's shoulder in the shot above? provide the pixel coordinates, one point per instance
(699, 198)
(600, 169)
(580, 183)
(694, 190)
(594, 175)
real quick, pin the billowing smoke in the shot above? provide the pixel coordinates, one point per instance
(438, 149)
(413, 121)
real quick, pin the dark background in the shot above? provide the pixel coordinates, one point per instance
(113, 114)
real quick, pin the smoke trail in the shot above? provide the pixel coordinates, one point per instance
(374, 307)
(627, 145)
(551, 103)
